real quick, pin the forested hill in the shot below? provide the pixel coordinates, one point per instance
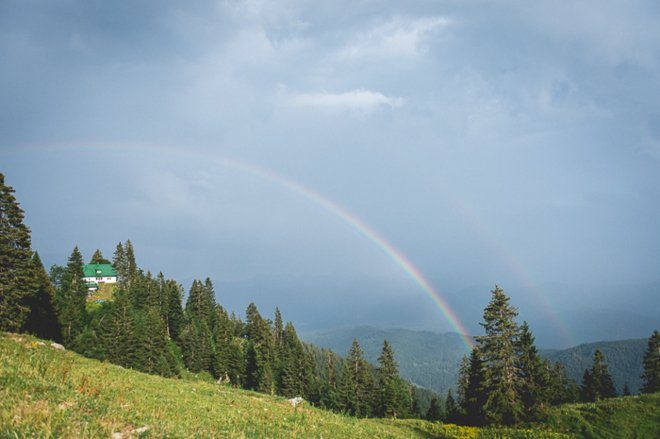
(428, 359)
(432, 360)
(623, 357)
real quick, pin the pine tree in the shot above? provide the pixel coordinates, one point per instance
(560, 389)
(97, 258)
(119, 263)
(597, 382)
(71, 298)
(131, 266)
(259, 352)
(201, 301)
(118, 331)
(651, 374)
(475, 395)
(174, 317)
(452, 414)
(589, 388)
(346, 390)
(434, 412)
(533, 376)
(329, 398)
(42, 318)
(362, 380)
(150, 340)
(295, 377)
(498, 348)
(393, 396)
(17, 278)
(197, 346)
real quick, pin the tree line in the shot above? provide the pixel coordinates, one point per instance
(148, 327)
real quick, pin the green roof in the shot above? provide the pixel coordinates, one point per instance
(99, 270)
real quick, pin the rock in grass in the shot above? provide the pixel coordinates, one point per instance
(57, 346)
(295, 402)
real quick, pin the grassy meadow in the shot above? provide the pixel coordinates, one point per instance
(46, 392)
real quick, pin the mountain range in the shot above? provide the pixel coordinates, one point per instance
(432, 360)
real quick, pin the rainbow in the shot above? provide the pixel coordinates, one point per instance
(326, 204)
(365, 230)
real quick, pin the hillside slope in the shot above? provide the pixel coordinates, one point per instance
(46, 392)
(623, 357)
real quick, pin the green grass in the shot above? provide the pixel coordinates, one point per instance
(46, 392)
(104, 293)
(625, 417)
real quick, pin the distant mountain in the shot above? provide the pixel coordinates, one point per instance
(623, 357)
(425, 358)
(432, 360)
(560, 315)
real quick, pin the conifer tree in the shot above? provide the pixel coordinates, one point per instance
(463, 382)
(651, 374)
(561, 389)
(42, 318)
(197, 346)
(150, 341)
(295, 377)
(174, 317)
(201, 302)
(120, 266)
(118, 331)
(346, 390)
(394, 398)
(434, 413)
(362, 380)
(228, 358)
(589, 388)
(17, 278)
(97, 258)
(533, 375)
(452, 414)
(71, 298)
(259, 352)
(329, 397)
(130, 263)
(597, 382)
(475, 395)
(498, 348)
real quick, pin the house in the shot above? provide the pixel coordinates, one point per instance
(95, 274)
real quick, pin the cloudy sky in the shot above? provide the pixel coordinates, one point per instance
(510, 142)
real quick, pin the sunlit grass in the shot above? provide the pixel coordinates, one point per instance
(46, 392)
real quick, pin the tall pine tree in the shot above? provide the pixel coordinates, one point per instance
(71, 298)
(394, 399)
(475, 395)
(259, 352)
(17, 278)
(498, 349)
(534, 380)
(357, 372)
